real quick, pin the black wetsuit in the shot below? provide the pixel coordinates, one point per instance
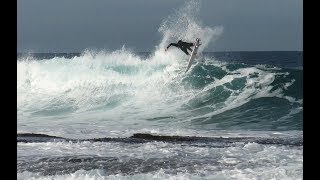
(182, 45)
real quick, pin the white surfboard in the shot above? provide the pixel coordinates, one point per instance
(193, 54)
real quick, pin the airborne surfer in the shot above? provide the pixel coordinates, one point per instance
(184, 46)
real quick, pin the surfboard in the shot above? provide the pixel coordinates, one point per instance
(194, 53)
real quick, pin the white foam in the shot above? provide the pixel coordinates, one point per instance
(249, 161)
(255, 87)
(184, 24)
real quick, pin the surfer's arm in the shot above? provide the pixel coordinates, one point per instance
(187, 44)
(190, 44)
(172, 44)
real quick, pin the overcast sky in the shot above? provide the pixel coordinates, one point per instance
(75, 25)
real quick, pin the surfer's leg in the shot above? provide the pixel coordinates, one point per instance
(185, 50)
(188, 47)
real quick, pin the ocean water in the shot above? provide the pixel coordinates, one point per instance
(131, 115)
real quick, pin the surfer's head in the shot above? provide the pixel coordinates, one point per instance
(180, 41)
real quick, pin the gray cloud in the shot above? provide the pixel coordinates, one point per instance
(74, 25)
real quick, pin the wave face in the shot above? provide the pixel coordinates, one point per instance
(252, 96)
(129, 89)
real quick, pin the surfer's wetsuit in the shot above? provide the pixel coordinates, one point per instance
(182, 45)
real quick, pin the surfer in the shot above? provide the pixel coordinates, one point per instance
(184, 46)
